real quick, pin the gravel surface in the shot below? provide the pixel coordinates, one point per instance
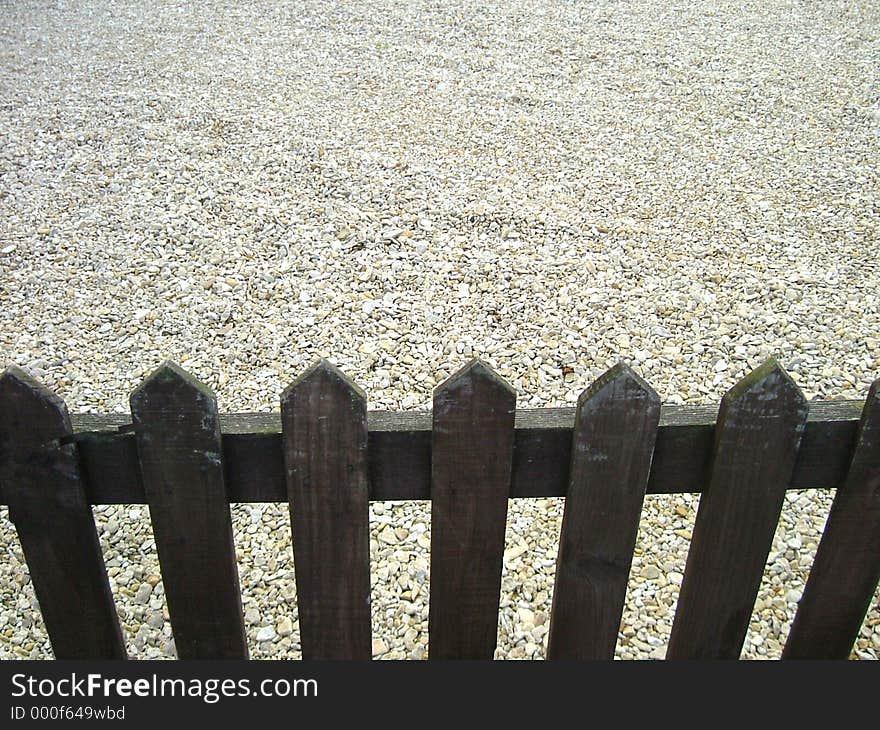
(692, 186)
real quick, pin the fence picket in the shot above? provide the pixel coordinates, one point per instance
(324, 419)
(43, 483)
(846, 568)
(759, 428)
(179, 448)
(471, 463)
(612, 445)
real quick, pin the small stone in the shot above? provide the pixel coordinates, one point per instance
(143, 594)
(288, 593)
(388, 536)
(526, 617)
(140, 638)
(252, 616)
(650, 572)
(379, 647)
(285, 627)
(267, 633)
(514, 552)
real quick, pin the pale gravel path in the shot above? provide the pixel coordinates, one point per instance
(549, 185)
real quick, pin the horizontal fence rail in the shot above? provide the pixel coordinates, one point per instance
(399, 453)
(326, 457)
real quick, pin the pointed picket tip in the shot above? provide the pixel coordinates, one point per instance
(322, 374)
(20, 392)
(476, 371)
(619, 378)
(169, 376)
(769, 378)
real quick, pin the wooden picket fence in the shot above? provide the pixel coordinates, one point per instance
(327, 457)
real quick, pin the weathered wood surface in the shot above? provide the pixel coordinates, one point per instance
(760, 423)
(178, 443)
(43, 484)
(325, 446)
(845, 571)
(613, 442)
(400, 453)
(472, 454)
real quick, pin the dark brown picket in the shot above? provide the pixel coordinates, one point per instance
(324, 419)
(759, 428)
(42, 480)
(612, 445)
(846, 568)
(179, 448)
(471, 462)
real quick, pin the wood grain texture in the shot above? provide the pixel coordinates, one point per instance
(42, 481)
(756, 443)
(400, 453)
(324, 418)
(472, 456)
(846, 568)
(613, 442)
(177, 432)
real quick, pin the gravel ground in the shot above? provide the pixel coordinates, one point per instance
(400, 185)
